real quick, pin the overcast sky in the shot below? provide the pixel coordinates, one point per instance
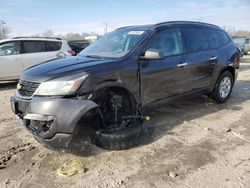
(27, 17)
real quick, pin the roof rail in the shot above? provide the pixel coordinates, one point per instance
(187, 22)
(80, 40)
(57, 38)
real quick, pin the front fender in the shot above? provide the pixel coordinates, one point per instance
(66, 113)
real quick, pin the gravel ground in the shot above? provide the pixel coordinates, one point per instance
(192, 143)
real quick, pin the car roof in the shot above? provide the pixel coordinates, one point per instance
(172, 23)
(187, 23)
(137, 27)
(32, 38)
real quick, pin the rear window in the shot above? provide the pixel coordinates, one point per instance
(216, 38)
(33, 46)
(53, 46)
(195, 39)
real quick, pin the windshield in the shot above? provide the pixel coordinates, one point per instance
(115, 44)
(239, 40)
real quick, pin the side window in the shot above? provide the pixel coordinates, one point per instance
(216, 38)
(33, 46)
(222, 37)
(53, 46)
(9, 48)
(167, 41)
(195, 39)
(212, 38)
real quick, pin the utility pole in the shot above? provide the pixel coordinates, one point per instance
(105, 28)
(2, 29)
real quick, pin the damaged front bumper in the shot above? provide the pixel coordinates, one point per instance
(51, 120)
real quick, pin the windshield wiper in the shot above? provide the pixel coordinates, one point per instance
(94, 56)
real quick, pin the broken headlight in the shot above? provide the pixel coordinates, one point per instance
(62, 86)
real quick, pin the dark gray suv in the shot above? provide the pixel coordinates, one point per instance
(101, 92)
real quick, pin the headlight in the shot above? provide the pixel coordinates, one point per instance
(61, 86)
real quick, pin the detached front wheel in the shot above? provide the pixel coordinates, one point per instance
(223, 87)
(118, 139)
(120, 126)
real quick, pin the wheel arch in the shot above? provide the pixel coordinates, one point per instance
(83, 123)
(118, 85)
(230, 69)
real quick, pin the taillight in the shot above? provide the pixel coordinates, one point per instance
(72, 52)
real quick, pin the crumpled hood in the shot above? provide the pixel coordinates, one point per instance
(62, 67)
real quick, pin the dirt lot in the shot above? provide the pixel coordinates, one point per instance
(194, 143)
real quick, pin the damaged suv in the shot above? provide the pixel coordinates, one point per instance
(104, 89)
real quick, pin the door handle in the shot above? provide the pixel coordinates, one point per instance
(182, 64)
(213, 58)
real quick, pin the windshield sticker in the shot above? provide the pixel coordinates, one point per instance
(135, 32)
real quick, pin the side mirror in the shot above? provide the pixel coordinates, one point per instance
(152, 54)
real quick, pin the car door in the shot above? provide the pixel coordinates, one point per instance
(34, 53)
(10, 60)
(201, 59)
(166, 77)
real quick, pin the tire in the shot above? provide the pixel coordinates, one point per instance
(221, 92)
(118, 139)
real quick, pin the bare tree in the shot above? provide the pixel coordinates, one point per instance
(36, 35)
(67, 36)
(48, 33)
(4, 30)
(229, 28)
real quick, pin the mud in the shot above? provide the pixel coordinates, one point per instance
(192, 143)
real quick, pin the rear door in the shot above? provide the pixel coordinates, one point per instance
(201, 59)
(34, 52)
(10, 60)
(164, 77)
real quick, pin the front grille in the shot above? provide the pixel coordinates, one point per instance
(27, 88)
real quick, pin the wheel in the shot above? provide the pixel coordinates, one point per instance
(118, 139)
(223, 87)
(119, 127)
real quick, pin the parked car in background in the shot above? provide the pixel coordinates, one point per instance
(241, 53)
(101, 92)
(243, 43)
(20, 53)
(78, 45)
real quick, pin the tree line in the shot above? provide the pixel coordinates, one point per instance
(5, 33)
(67, 36)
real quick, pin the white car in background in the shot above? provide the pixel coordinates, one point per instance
(20, 53)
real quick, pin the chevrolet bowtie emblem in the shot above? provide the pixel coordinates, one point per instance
(19, 86)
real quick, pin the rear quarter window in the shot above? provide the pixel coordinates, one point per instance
(222, 37)
(195, 39)
(53, 46)
(216, 38)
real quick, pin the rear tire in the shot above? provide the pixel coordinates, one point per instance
(223, 87)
